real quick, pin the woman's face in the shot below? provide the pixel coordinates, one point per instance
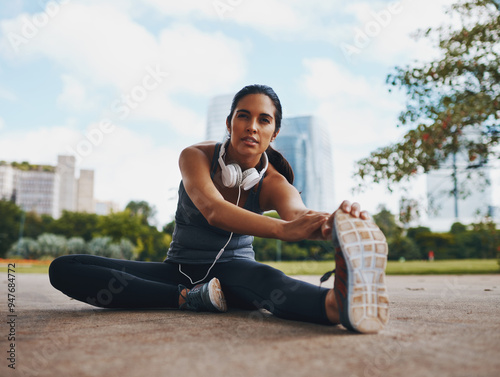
(252, 126)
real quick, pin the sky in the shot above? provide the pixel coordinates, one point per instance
(124, 86)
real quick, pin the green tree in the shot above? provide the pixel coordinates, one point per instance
(143, 210)
(452, 102)
(10, 221)
(75, 224)
(386, 221)
(118, 225)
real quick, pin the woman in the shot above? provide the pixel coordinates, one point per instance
(224, 190)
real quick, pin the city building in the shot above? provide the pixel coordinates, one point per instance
(85, 192)
(7, 181)
(38, 191)
(47, 189)
(304, 141)
(68, 189)
(218, 110)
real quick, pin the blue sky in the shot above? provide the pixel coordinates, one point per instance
(126, 84)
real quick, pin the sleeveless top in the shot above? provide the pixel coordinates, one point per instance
(196, 241)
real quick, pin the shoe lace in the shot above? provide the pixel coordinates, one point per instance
(192, 299)
(326, 276)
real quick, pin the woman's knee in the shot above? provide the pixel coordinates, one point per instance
(58, 268)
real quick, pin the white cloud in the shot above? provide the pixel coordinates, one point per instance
(268, 16)
(382, 32)
(127, 165)
(2, 123)
(350, 103)
(101, 47)
(201, 62)
(104, 46)
(98, 42)
(74, 94)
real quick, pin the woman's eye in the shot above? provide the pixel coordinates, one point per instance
(265, 120)
(242, 115)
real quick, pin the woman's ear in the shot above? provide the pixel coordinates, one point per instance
(275, 135)
(228, 125)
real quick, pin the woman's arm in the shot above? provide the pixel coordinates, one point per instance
(194, 164)
(286, 200)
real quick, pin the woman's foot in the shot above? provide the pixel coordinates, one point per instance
(359, 288)
(203, 297)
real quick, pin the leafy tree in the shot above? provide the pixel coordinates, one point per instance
(143, 210)
(386, 221)
(487, 238)
(118, 225)
(413, 233)
(10, 220)
(75, 224)
(403, 247)
(458, 228)
(452, 103)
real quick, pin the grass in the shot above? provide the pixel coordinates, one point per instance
(441, 267)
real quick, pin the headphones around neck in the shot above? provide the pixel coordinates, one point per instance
(232, 176)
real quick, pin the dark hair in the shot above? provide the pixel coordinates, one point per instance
(275, 158)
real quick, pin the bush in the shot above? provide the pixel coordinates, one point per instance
(404, 247)
(52, 245)
(26, 248)
(77, 245)
(126, 249)
(99, 245)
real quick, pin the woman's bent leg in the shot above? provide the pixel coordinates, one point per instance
(114, 283)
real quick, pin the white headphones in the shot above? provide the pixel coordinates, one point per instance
(232, 176)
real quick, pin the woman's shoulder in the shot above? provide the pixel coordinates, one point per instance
(206, 147)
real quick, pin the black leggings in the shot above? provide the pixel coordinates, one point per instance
(247, 284)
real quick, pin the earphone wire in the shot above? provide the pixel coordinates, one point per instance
(221, 251)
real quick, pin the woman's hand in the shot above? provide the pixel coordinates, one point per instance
(306, 226)
(354, 209)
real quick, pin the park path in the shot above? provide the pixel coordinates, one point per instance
(440, 326)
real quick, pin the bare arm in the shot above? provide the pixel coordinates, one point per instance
(195, 169)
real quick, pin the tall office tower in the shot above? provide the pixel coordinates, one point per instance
(218, 110)
(85, 198)
(7, 181)
(37, 189)
(444, 210)
(305, 143)
(68, 188)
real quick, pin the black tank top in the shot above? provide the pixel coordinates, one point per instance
(196, 241)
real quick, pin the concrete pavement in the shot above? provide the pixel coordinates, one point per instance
(439, 326)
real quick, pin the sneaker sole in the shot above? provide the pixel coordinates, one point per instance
(365, 250)
(216, 296)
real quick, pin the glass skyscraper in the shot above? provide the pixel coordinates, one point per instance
(303, 141)
(218, 110)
